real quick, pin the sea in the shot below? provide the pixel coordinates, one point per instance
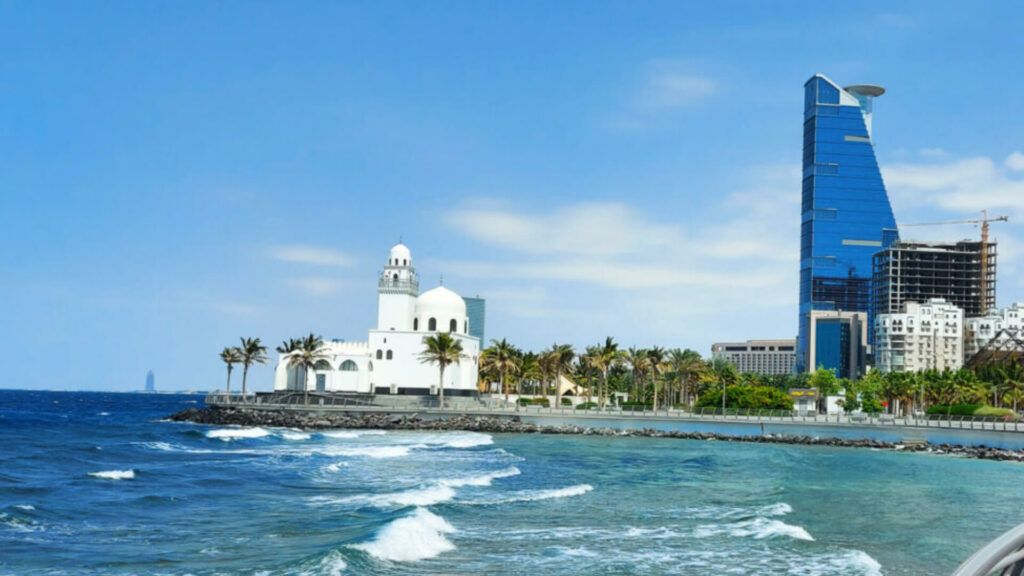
(101, 483)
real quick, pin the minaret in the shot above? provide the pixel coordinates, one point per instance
(398, 288)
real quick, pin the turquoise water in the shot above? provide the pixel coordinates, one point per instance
(95, 484)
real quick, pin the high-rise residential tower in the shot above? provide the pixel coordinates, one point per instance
(846, 215)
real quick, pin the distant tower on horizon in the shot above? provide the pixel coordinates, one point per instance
(150, 382)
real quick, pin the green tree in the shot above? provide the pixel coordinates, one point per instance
(230, 356)
(503, 359)
(687, 366)
(310, 350)
(657, 365)
(563, 355)
(636, 359)
(442, 350)
(252, 352)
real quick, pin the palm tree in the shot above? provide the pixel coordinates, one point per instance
(636, 358)
(253, 352)
(443, 350)
(656, 365)
(310, 351)
(686, 365)
(546, 365)
(564, 355)
(605, 356)
(230, 356)
(501, 357)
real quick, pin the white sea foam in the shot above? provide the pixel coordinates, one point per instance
(467, 440)
(351, 433)
(294, 435)
(24, 507)
(229, 434)
(332, 564)
(104, 414)
(114, 474)
(533, 495)
(20, 524)
(378, 451)
(168, 447)
(779, 509)
(759, 528)
(482, 479)
(337, 466)
(415, 537)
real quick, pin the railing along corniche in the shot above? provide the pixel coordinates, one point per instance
(497, 406)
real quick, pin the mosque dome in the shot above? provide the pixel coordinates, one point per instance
(444, 307)
(400, 256)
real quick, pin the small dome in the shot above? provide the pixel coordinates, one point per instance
(400, 256)
(442, 304)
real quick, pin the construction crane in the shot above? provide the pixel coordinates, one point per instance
(984, 220)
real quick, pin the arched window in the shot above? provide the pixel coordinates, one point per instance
(394, 278)
(380, 354)
(369, 367)
(415, 324)
(432, 325)
(465, 328)
(390, 356)
(349, 366)
(453, 325)
(405, 262)
(322, 365)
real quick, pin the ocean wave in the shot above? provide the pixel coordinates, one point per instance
(374, 451)
(779, 509)
(419, 536)
(114, 474)
(434, 493)
(294, 435)
(168, 447)
(534, 495)
(104, 414)
(26, 507)
(20, 524)
(351, 433)
(853, 562)
(759, 528)
(481, 479)
(229, 434)
(332, 564)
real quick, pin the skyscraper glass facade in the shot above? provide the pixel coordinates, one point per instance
(846, 215)
(476, 311)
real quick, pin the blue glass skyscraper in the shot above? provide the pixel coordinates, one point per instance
(846, 215)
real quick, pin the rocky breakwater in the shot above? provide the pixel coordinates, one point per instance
(383, 421)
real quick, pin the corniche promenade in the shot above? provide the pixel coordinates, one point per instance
(322, 420)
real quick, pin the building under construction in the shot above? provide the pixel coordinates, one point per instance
(963, 273)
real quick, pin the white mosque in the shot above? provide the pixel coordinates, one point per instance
(389, 363)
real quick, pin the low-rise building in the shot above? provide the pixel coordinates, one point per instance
(925, 336)
(768, 357)
(838, 341)
(981, 330)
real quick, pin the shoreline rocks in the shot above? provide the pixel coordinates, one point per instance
(385, 421)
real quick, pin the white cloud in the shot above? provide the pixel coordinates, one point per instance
(669, 88)
(1015, 161)
(934, 153)
(305, 254)
(317, 286)
(962, 186)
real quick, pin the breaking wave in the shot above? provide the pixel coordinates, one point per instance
(114, 474)
(351, 433)
(534, 495)
(228, 434)
(419, 536)
(758, 528)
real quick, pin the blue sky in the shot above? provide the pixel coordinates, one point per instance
(176, 175)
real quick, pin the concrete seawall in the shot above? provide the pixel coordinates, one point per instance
(975, 444)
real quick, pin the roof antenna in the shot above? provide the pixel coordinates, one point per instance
(442, 279)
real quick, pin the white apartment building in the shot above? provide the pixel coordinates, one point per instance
(925, 336)
(768, 357)
(982, 329)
